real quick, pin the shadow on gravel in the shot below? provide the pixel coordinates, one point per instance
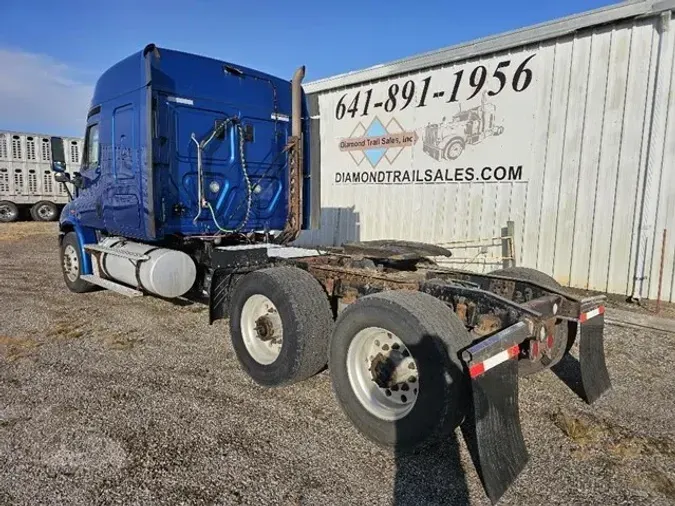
(433, 473)
(568, 370)
(432, 477)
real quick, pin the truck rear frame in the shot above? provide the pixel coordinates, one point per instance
(507, 317)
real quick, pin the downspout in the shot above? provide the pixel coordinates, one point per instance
(654, 166)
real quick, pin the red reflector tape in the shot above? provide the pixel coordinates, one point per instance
(480, 368)
(591, 314)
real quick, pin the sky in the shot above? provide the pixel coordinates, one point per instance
(51, 53)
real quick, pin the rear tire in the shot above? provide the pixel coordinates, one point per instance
(44, 211)
(9, 212)
(564, 331)
(71, 264)
(280, 325)
(422, 329)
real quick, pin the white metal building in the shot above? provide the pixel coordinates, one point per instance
(565, 128)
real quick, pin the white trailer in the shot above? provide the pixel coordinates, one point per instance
(563, 129)
(26, 178)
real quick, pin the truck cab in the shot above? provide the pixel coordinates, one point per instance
(180, 145)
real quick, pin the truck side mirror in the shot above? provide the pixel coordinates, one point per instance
(62, 177)
(58, 155)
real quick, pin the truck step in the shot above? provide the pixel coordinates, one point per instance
(116, 251)
(111, 285)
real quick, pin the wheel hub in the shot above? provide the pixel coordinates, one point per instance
(383, 373)
(262, 329)
(384, 369)
(45, 212)
(71, 265)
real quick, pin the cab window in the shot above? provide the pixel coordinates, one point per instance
(91, 147)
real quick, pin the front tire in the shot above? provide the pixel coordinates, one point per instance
(453, 149)
(280, 325)
(71, 264)
(9, 212)
(395, 368)
(44, 211)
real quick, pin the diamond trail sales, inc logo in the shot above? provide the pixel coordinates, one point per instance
(377, 142)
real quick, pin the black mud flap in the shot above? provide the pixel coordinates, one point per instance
(594, 374)
(500, 453)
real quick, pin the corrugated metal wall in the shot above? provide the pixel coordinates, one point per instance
(597, 133)
(661, 197)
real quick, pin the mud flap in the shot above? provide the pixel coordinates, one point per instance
(594, 374)
(500, 453)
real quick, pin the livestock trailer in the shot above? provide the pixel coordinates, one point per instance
(26, 177)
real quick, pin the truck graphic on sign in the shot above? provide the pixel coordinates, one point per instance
(447, 139)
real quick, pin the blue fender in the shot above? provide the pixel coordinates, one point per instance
(85, 235)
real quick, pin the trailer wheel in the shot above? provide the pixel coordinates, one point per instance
(8, 211)
(395, 368)
(280, 325)
(71, 264)
(563, 338)
(453, 149)
(44, 211)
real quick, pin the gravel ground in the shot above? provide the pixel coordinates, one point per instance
(105, 399)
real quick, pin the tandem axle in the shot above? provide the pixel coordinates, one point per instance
(413, 349)
(508, 323)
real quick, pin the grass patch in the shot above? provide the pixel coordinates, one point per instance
(21, 230)
(14, 348)
(66, 330)
(581, 431)
(123, 340)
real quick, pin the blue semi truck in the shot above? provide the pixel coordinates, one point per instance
(195, 180)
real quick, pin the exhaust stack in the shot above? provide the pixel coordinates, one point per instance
(296, 163)
(296, 97)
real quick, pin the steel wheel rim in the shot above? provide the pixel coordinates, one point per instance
(369, 348)
(6, 211)
(261, 329)
(45, 212)
(71, 264)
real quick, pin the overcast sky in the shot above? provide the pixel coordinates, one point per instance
(51, 53)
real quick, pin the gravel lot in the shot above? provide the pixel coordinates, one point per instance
(105, 399)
